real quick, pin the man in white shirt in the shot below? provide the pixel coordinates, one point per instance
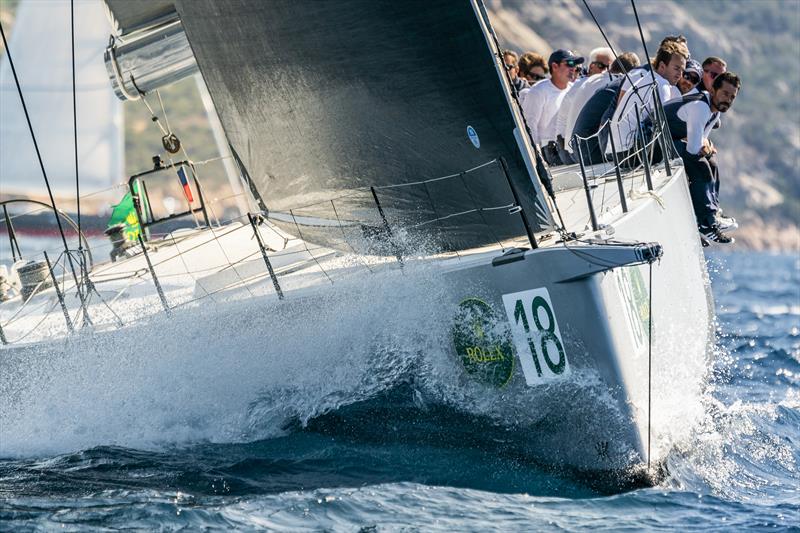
(541, 103)
(690, 120)
(578, 95)
(599, 61)
(667, 69)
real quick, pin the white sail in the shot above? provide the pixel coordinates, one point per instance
(40, 46)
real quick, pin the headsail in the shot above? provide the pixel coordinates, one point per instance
(322, 100)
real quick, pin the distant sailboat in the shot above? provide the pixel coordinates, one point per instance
(40, 47)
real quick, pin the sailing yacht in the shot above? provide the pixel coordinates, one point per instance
(571, 305)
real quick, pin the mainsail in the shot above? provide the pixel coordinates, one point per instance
(41, 48)
(322, 100)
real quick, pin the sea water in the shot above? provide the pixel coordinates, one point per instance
(417, 466)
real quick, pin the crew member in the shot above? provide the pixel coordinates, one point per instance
(532, 67)
(691, 78)
(712, 67)
(667, 69)
(600, 60)
(584, 95)
(541, 102)
(510, 62)
(690, 120)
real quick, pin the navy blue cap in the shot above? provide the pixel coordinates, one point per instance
(564, 55)
(694, 66)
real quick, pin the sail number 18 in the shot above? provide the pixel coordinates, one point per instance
(536, 335)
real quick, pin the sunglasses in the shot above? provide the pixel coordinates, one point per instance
(691, 77)
(712, 74)
(600, 65)
(537, 77)
(571, 63)
(509, 67)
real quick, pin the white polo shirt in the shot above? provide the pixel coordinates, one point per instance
(699, 123)
(624, 127)
(540, 106)
(572, 108)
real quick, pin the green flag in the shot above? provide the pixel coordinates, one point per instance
(125, 213)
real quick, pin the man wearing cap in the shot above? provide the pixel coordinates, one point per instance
(599, 61)
(542, 102)
(692, 75)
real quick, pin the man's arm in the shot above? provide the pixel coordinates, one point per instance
(532, 109)
(563, 111)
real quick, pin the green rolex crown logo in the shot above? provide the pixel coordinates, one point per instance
(483, 343)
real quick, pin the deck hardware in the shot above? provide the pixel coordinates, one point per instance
(67, 318)
(510, 256)
(272, 275)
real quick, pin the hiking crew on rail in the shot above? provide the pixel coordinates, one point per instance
(596, 103)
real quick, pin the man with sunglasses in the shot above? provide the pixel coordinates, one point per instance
(599, 60)
(712, 67)
(510, 62)
(532, 67)
(541, 102)
(691, 78)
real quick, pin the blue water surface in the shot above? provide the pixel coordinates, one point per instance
(424, 469)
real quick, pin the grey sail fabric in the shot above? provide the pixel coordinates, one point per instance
(323, 99)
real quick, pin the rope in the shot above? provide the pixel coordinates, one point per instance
(344, 236)
(649, 361)
(300, 234)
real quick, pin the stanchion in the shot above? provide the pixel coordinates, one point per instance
(264, 255)
(67, 319)
(523, 216)
(160, 292)
(388, 229)
(589, 203)
(646, 161)
(620, 188)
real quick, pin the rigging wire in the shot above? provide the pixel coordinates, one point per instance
(82, 261)
(613, 51)
(649, 361)
(75, 121)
